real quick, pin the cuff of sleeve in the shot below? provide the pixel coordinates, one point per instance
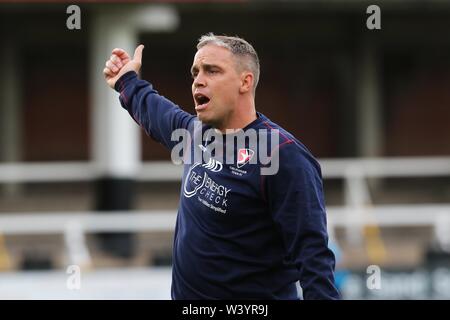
(120, 83)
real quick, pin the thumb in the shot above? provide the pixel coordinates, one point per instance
(138, 54)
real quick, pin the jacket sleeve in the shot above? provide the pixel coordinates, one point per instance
(296, 201)
(158, 116)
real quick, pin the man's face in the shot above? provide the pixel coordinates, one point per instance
(215, 86)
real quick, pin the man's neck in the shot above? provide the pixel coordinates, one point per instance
(240, 120)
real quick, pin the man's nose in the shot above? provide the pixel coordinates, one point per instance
(199, 80)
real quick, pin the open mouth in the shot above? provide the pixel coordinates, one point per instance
(201, 101)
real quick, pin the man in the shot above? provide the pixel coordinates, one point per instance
(240, 234)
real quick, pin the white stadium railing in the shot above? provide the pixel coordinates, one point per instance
(167, 171)
(357, 212)
(75, 225)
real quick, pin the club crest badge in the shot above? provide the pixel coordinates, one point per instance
(244, 156)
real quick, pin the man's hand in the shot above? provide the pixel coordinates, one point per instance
(120, 63)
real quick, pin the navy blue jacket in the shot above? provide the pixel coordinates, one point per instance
(240, 234)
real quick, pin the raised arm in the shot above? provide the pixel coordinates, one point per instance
(158, 116)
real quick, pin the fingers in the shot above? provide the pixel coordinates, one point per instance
(110, 65)
(122, 54)
(138, 54)
(112, 68)
(119, 62)
(108, 73)
(116, 60)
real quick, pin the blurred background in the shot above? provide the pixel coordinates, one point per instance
(81, 184)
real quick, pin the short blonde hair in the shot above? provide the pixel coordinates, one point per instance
(248, 58)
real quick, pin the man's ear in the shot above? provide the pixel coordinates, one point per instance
(246, 82)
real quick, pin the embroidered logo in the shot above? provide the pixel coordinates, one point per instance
(213, 165)
(244, 156)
